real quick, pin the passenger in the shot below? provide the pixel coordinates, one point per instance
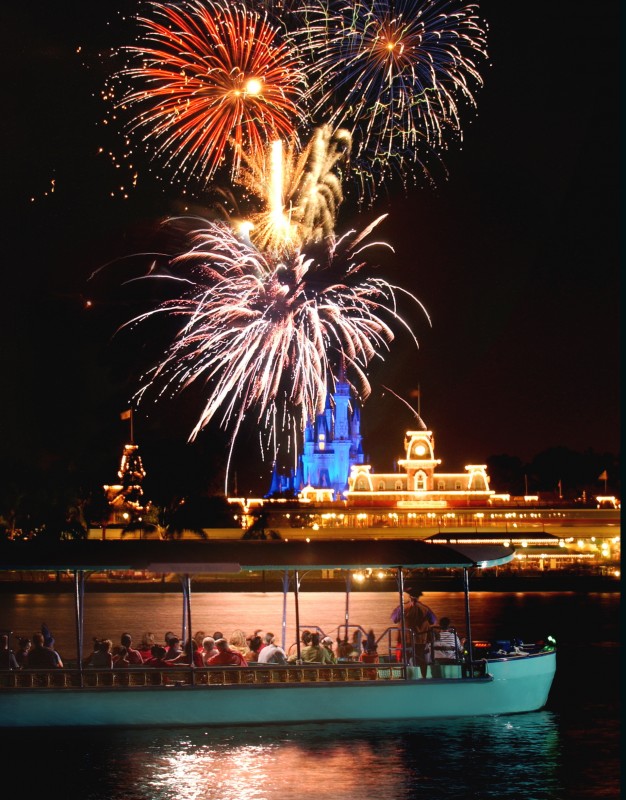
(261, 634)
(370, 654)
(42, 657)
(120, 659)
(198, 638)
(272, 653)
(188, 656)
(208, 649)
(48, 640)
(305, 640)
(101, 657)
(418, 620)
(21, 654)
(174, 650)
(133, 656)
(196, 655)
(7, 657)
(254, 648)
(328, 643)
(178, 656)
(238, 642)
(169, 637)
(226, 656)
(314, 653)
(148, 639)
(447, 647)
(157, 657)
(346, 651)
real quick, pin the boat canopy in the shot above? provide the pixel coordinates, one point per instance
(228, 556)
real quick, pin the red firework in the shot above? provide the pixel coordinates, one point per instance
(208, 80)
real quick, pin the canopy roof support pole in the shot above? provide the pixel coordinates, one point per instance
(296, 596)
(468, 624)
(400, 581)
(79, 607)
(186, 633)
(285, 592)
(183, 626)
(347, 612)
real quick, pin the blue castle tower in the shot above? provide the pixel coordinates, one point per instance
(332, 445)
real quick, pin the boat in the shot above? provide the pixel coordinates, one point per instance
(481, 683)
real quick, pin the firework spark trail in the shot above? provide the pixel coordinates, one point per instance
(300, 193)
(260, 331)
(392, 70)
(208, 80)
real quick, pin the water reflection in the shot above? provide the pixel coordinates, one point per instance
(493, 757)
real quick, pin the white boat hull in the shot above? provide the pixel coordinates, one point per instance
(514, 685)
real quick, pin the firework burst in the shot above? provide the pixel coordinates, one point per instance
(393, 71)
(265, 333)
(207, 81)
(272, 310)
(300, 193)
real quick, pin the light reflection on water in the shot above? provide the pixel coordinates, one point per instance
(494, 757)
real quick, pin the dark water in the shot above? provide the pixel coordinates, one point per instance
(569, 750)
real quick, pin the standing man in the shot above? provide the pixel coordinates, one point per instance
(418, 620)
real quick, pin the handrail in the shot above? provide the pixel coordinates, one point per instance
(136, 676)
(191, 676)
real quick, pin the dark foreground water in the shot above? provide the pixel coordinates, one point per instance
(569, 750)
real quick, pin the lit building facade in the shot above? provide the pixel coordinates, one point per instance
(417, 483)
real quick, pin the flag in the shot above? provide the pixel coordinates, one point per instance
(603, 476)
(126, 414)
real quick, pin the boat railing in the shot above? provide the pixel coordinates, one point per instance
(200, 676)
(341, 635)
(73, 678)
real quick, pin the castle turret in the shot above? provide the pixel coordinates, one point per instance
(332, 444)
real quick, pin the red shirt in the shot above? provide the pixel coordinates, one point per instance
(229, 658)
(156, 662)
(134, 656)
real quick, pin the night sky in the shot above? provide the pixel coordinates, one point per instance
(515, 256)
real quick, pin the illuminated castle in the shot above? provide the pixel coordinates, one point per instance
(332, 446)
